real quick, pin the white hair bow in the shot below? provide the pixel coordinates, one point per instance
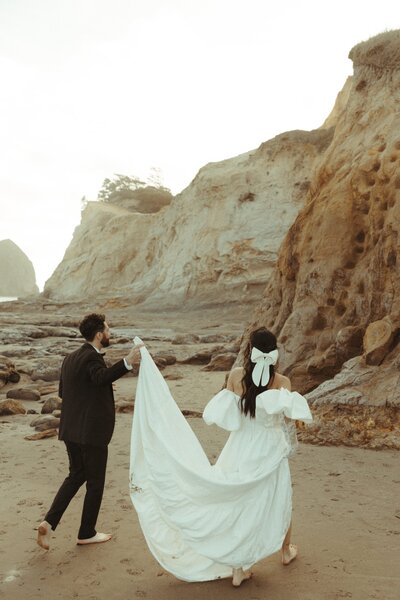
(262, 360)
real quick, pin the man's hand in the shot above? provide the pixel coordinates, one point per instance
(134, 355)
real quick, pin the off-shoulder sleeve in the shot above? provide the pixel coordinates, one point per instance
(291, 404)
(223, 410)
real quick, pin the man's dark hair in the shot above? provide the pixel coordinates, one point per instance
(91, 324)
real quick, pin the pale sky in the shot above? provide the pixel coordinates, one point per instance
(90, 88)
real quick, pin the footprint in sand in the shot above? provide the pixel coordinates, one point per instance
(135, 572)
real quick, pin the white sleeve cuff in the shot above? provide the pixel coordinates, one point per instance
(129, 367)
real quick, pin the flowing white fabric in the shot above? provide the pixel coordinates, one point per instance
(262, 360)
(200, 520)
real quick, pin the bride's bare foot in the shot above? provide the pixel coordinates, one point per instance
(238, 576)
(289, 553)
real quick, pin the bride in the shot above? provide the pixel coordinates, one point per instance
(204, 521)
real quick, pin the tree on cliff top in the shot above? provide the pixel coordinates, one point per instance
(122, 186)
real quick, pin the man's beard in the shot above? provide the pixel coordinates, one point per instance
(105, 341)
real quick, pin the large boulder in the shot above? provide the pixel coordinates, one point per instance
(23, 394)
(378, 340)
(45, 422)
(51, 404)
(11, 407)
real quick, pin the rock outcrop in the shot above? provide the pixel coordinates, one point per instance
(338, 268)
(106, 252)
(17, 275)
(217, 241)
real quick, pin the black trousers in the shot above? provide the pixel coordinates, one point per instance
(86, 464)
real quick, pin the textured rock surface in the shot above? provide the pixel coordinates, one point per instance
(338, 265)
(8, 372)
(11, 407)
(106, 252)
(51, 404)
(360, 406)
(217, 240)
(17, 275)
(221, 362)
(23, 394)
(378, 340)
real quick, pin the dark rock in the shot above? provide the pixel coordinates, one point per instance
(8, 372)
(164, 359)
(199, 358)
(221, 362)
(191, 413)
(46, 373)
(24, 394)
(51, 404)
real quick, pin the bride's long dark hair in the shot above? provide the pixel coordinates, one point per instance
(265, 341)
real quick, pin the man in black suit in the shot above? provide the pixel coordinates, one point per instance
(86, 427)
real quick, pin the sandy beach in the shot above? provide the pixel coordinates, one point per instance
(346, 520)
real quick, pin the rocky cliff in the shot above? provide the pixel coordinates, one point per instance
(17, 275)
(106, 252)
(217, 241)
(338, 268)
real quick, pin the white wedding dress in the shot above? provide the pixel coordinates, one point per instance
(202, 520)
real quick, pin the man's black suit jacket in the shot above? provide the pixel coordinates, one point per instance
(88, 410)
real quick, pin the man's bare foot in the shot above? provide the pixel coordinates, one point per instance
(238, 576)
(289, 553)
(99, 538)
(43, 537)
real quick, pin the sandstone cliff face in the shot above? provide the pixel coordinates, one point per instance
(338, 267)
(217, 241)
(219, 238)
(104, 255)
(17, 275)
